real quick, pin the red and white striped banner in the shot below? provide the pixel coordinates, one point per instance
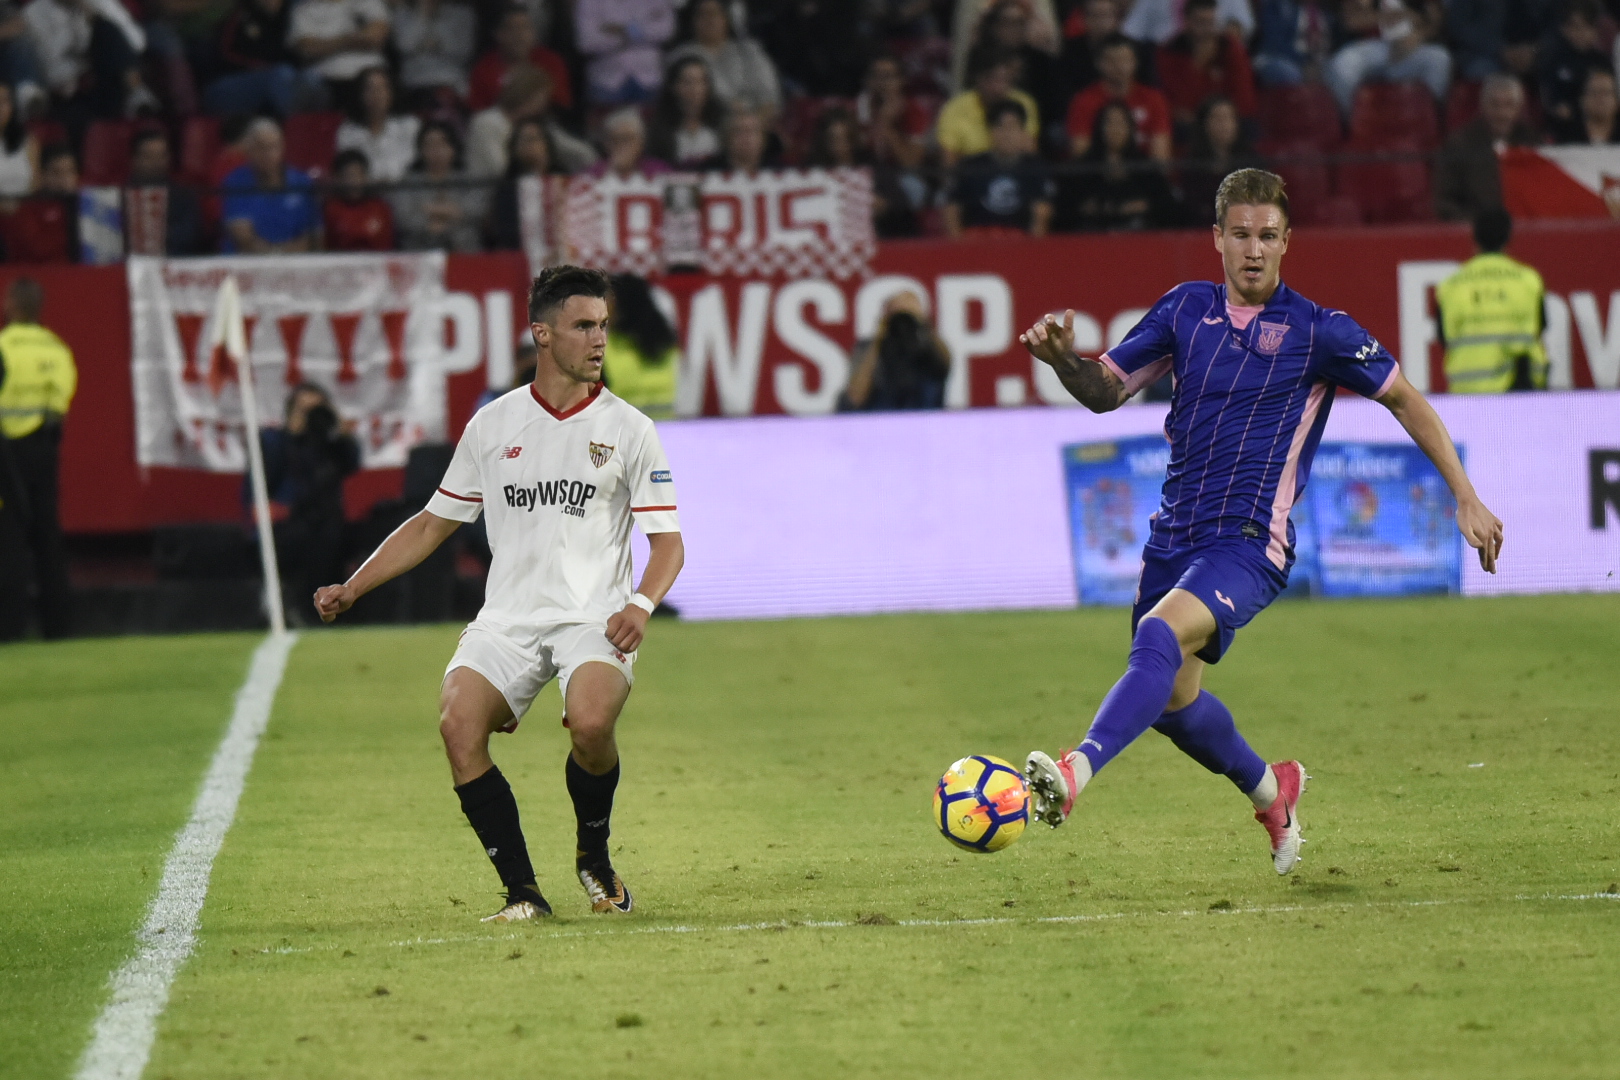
(368, 328)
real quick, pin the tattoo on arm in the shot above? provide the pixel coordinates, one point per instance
(1092, 384)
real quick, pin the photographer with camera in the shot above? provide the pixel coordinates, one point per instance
(903, 367)
(306, 461)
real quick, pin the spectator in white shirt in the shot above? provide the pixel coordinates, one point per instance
(688, 117)
(1158, 21)
(622, 39)
(435, 40)
(73, 38)
(744, 77)
(388, 141)
(338, 39)
(526, 95)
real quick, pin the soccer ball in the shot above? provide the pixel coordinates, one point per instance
(981, 804)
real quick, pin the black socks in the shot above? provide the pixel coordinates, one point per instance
(593, 804)
(493, 813)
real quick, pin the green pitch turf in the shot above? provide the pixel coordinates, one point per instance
(797, 914)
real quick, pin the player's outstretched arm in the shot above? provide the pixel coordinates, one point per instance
(1481, 528)
(1093, 385)
(626, 628)
(405, 547)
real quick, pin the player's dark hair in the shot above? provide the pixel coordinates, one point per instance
(993, 115)
(1114, 41)
(1492, 229)
(1190, 4)
(556, 284)
(1251, 187)
(27, 297)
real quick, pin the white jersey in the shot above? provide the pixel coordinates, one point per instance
(558, 491)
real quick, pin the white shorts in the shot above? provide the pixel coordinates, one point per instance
(519, 661)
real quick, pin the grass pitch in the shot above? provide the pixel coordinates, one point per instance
(797, 914)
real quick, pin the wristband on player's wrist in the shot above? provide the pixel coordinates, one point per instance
(643, 603)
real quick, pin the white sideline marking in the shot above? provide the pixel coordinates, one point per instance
(122, 1037)
(992, 920)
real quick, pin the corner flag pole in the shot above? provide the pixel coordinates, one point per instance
(230, 334)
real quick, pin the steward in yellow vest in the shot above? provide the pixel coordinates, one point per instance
(641, 362)
(37, 380)
(1492, 316)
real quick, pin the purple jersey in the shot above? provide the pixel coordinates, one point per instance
(1253, 389)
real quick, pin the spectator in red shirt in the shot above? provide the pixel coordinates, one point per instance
(515, 44)
(355, 217)
(45, 226)
(1202, 62)
(1149, 109)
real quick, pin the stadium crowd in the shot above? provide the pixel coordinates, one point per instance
(293, 125)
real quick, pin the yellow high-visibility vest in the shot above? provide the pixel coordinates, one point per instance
(39, 378)
(648, 383)
(1490, 313)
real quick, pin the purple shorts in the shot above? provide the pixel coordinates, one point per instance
(1233, 578)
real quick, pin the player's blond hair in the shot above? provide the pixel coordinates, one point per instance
(1251, 187)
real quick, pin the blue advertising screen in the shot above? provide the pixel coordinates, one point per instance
(1375, 520)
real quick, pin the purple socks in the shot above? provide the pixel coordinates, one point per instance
(1204, 731)
(1141, 694)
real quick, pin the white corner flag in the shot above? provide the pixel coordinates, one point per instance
(230, 337)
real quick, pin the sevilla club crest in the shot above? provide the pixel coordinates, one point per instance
(1270, 339)
(600, 453)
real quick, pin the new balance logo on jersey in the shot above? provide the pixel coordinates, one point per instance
(511, 452)
(600, 452)
(570, 495)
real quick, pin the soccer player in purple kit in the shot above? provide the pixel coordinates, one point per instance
(1256, 366)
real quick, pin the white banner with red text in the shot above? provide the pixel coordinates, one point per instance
(791, 223)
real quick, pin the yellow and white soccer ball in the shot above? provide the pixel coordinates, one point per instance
(981, 804)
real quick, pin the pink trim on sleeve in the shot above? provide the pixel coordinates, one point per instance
(1394, 373)
(1108, 362)
(1144, 377)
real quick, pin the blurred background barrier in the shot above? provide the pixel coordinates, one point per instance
(954, 511)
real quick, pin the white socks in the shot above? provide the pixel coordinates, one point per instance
(1265, 792)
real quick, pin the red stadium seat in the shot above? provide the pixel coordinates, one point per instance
(106, 151)
(1305, 169)
(1387, 114)
(312, 140)
(1339, 212)
(47, 132)
(1300, 114)
(199, 146)
(1397, 189)
(1462, 104)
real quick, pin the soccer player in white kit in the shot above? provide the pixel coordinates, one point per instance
(560, 468)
